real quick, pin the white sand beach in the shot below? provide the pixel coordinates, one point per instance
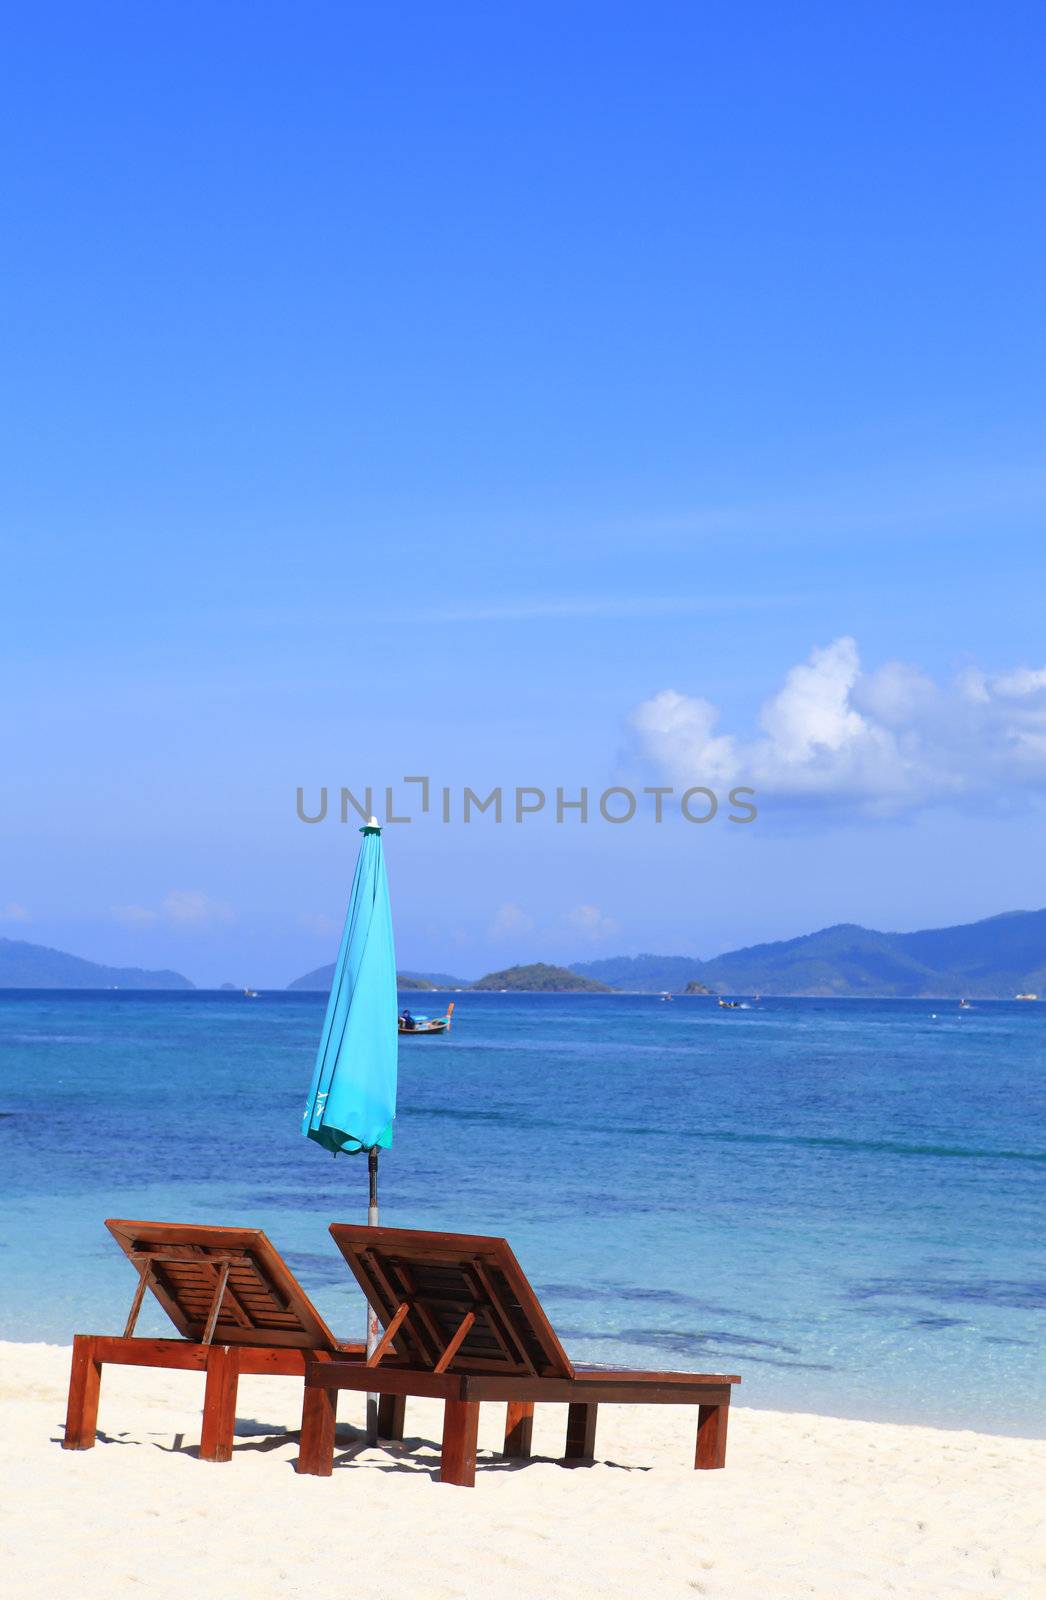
(807, 1506)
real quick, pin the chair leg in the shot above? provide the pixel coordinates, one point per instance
(581, 1431)
(457, 1463)
(391, 1410)
(219, 1403)
(319, 1417)
(519, 1430)
(85, 1379)
(711, 1436)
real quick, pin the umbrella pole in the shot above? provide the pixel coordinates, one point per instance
(372, 1320)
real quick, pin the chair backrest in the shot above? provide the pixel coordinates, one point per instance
(451, 1302)
(224, 1285)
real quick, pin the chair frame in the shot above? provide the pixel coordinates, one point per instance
(521, 1364)
(247, 1347)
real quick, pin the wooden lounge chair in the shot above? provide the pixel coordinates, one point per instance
(237, 1306)
(463, 1325)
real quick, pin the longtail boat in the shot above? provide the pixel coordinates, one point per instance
(428, 1024)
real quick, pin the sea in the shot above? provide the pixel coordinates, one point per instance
(844, 1201)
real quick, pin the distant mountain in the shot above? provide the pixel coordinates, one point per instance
(321, 980)
(433, 980)
(844, 960)
(992, 959)
(996, 958)
(540, 977)
(1007, 952)
(35, 966)
(641, 974)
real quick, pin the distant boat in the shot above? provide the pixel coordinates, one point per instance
(251, 994)
(964, 1005)
(730, 1005)
(427, 1024)
(665, 995)
(1025, 997)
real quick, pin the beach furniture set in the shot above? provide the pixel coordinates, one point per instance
(462, 1324)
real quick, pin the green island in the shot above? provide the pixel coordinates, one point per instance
(540, 978)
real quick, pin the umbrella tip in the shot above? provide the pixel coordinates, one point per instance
(373, 823)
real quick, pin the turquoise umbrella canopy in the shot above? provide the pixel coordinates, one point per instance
(352, 1099)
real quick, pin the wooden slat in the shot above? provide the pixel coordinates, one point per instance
(255, 1269)
(388, 1296)
(387, 1337)
(286, 1361)
(385, 1379)
(145, 1272)
(179, 1354)
(405, 1278)
(222, 1274)
(457, 1340)
(262, 1303)
(531, 1313)
(497, 1316)
(613, 1388)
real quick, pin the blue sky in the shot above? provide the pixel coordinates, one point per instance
(431, 390)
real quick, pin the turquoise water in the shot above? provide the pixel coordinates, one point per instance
(843, 1201)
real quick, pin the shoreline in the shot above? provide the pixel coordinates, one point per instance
(63, 1352)
(807, 1505)
(203, 993)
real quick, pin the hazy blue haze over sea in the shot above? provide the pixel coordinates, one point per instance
(845, 1201)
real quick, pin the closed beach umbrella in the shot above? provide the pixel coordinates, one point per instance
(352, 1098)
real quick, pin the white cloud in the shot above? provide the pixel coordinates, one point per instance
(135, 916)
(13, 912)
(584, 922)
(884, 741)
(193, 906)
(1021, 684)
(509, 920)
(180, 908)
(590, 923)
